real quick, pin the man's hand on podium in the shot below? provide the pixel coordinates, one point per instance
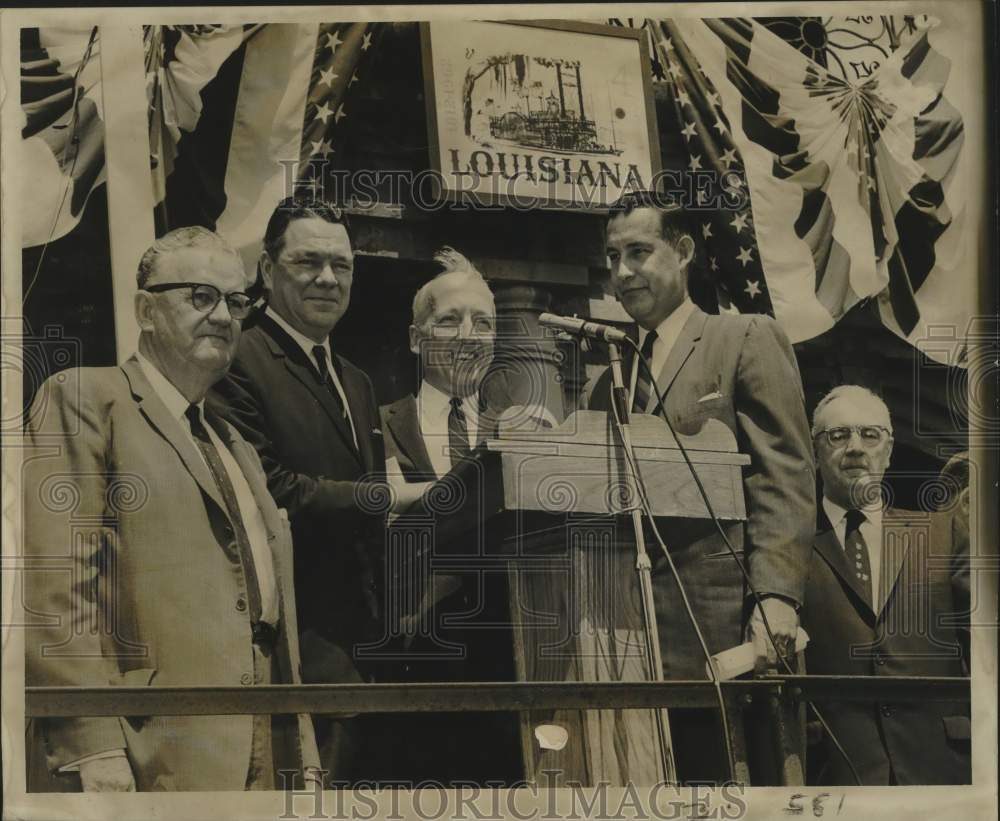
(784, 622)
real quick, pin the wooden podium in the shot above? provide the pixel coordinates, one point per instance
(552, 506)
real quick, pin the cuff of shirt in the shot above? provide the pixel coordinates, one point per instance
(74, 766)
(786, 599)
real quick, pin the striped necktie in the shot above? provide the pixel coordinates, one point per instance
(458, 432)
(643, 383)
(225, 486)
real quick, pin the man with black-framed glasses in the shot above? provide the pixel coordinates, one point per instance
(173, 564)
(881, 599)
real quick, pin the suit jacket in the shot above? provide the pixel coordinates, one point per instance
(331, 490)
(405, 442)
(452, 750)
(149, 587)
(741, 371)
(913, 633)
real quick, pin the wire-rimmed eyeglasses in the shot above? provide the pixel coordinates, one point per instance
(870, 435)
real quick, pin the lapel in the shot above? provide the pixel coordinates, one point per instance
(356, 391)
(255, 479)
(828, 546)
(249, 464)
(892, 560)
(680, 353)
(487, 423)
(301, 369)
(156, 413)
(405, 426)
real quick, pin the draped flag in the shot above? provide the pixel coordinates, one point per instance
(180, 62)
(721, 211)
(62, 132)
(851, 181)
(241, 117)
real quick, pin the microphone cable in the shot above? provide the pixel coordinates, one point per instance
(647, 508)
(661, 403)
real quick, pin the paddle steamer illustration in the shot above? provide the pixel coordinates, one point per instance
(555, 121)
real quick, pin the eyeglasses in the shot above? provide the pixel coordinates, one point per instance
(205, 297)
(870, 435)
(450, 329)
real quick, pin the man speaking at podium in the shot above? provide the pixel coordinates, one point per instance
(738, 369)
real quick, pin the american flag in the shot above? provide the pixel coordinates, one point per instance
(847, 183)
(241, 115)
(727, 233)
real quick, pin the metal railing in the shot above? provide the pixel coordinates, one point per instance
(52, 702)
(781, 696)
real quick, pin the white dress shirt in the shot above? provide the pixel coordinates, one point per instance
(666, 335)
(253, 519)
(307, 346)
(871, 530)
(433, 408)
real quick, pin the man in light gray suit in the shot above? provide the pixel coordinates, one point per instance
(740, 370)
(176, 565)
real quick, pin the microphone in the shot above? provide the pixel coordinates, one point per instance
(583, 327)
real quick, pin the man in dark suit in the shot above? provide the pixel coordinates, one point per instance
(738, 369)
(883, 592)
(177, 563)
(313, 418)
(452, 334)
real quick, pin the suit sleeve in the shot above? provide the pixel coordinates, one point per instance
(780, 482)
(237, 398)
(960, 578)
(70, 606)
(285, 572)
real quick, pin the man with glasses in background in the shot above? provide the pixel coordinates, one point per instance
(881, 601)
(167, 561)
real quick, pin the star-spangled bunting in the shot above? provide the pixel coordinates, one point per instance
(853, 164)
(723, 214)
(340, 49)
(223, 143)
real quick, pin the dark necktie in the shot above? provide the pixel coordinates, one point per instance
(218, 471)
(458, 431)
(319, 354)
(856, 551)
(643, 383)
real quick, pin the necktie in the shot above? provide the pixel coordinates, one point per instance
(458, 431)
(857, 551)
(319, 353)
(218, 471)
(643, 383)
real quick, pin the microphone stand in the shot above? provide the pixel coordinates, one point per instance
(643, 566)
